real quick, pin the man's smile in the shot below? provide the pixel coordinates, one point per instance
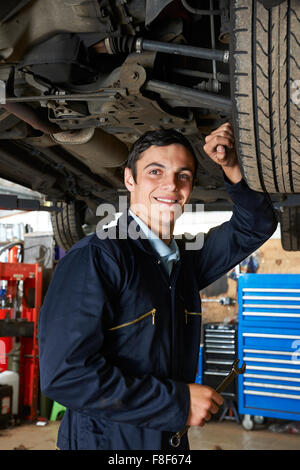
(165, 200)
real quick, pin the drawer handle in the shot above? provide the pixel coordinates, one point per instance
(271, 306)
(218, 351)
(268, 314)
(219, 341)
(271, 394)
(263, 385)
(265, 335)
(215, 373)
(275, 361)
(274, 369)
(268, 297)
(225, 363)
(272, 377)
(265, 351)
(268, 289)
(209, 335)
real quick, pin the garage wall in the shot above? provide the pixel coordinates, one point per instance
(273, 260)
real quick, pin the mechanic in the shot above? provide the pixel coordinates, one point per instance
(119, 329)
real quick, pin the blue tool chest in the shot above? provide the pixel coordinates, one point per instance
(269, 344)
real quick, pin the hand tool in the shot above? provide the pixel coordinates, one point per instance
(235, 370)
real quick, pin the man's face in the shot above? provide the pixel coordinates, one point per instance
(164, 181)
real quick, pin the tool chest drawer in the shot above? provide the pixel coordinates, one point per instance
(220, 350)
(269, 300)
(220, 342)
(270, 347)
(214, 378)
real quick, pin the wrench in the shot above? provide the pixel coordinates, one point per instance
(235, 370)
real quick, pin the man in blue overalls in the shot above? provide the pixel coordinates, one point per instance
(119, 330)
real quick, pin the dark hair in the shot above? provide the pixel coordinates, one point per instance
(161, 138)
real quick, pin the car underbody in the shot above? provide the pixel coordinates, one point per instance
(83, 79)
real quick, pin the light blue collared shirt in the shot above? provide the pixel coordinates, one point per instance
(168, 255)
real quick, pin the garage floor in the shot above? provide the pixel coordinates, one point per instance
(226, 435)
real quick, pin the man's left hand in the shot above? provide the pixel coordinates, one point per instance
(220, 147)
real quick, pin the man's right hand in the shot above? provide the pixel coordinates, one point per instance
(220, 147)
(204, 401)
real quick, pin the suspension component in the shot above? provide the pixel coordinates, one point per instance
(130, 44)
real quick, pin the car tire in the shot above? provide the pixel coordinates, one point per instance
(265, 88)
(289, 220)
(68, 223)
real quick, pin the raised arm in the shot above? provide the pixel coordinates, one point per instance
(252, 223)
(220, 147)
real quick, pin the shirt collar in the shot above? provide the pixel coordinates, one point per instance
(163, 250)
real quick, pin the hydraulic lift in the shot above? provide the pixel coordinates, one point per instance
(21, 325)
(13, 202)
(18, 327)
(19, 311)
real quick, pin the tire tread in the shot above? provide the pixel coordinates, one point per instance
(67, 224)
(271, 138)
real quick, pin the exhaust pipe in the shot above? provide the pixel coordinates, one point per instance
(31, 117)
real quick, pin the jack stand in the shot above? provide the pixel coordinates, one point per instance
(230, 408)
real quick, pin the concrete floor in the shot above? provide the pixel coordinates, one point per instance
(226, 435)
(229, 435)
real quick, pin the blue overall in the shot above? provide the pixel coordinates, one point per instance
(119, 338)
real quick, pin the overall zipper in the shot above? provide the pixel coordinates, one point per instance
(152, 312)
(190, 313)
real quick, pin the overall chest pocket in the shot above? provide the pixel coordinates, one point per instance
(190, 315)
(134, 344)
(136, 320)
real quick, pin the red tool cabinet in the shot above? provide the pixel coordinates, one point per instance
(22, 326)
